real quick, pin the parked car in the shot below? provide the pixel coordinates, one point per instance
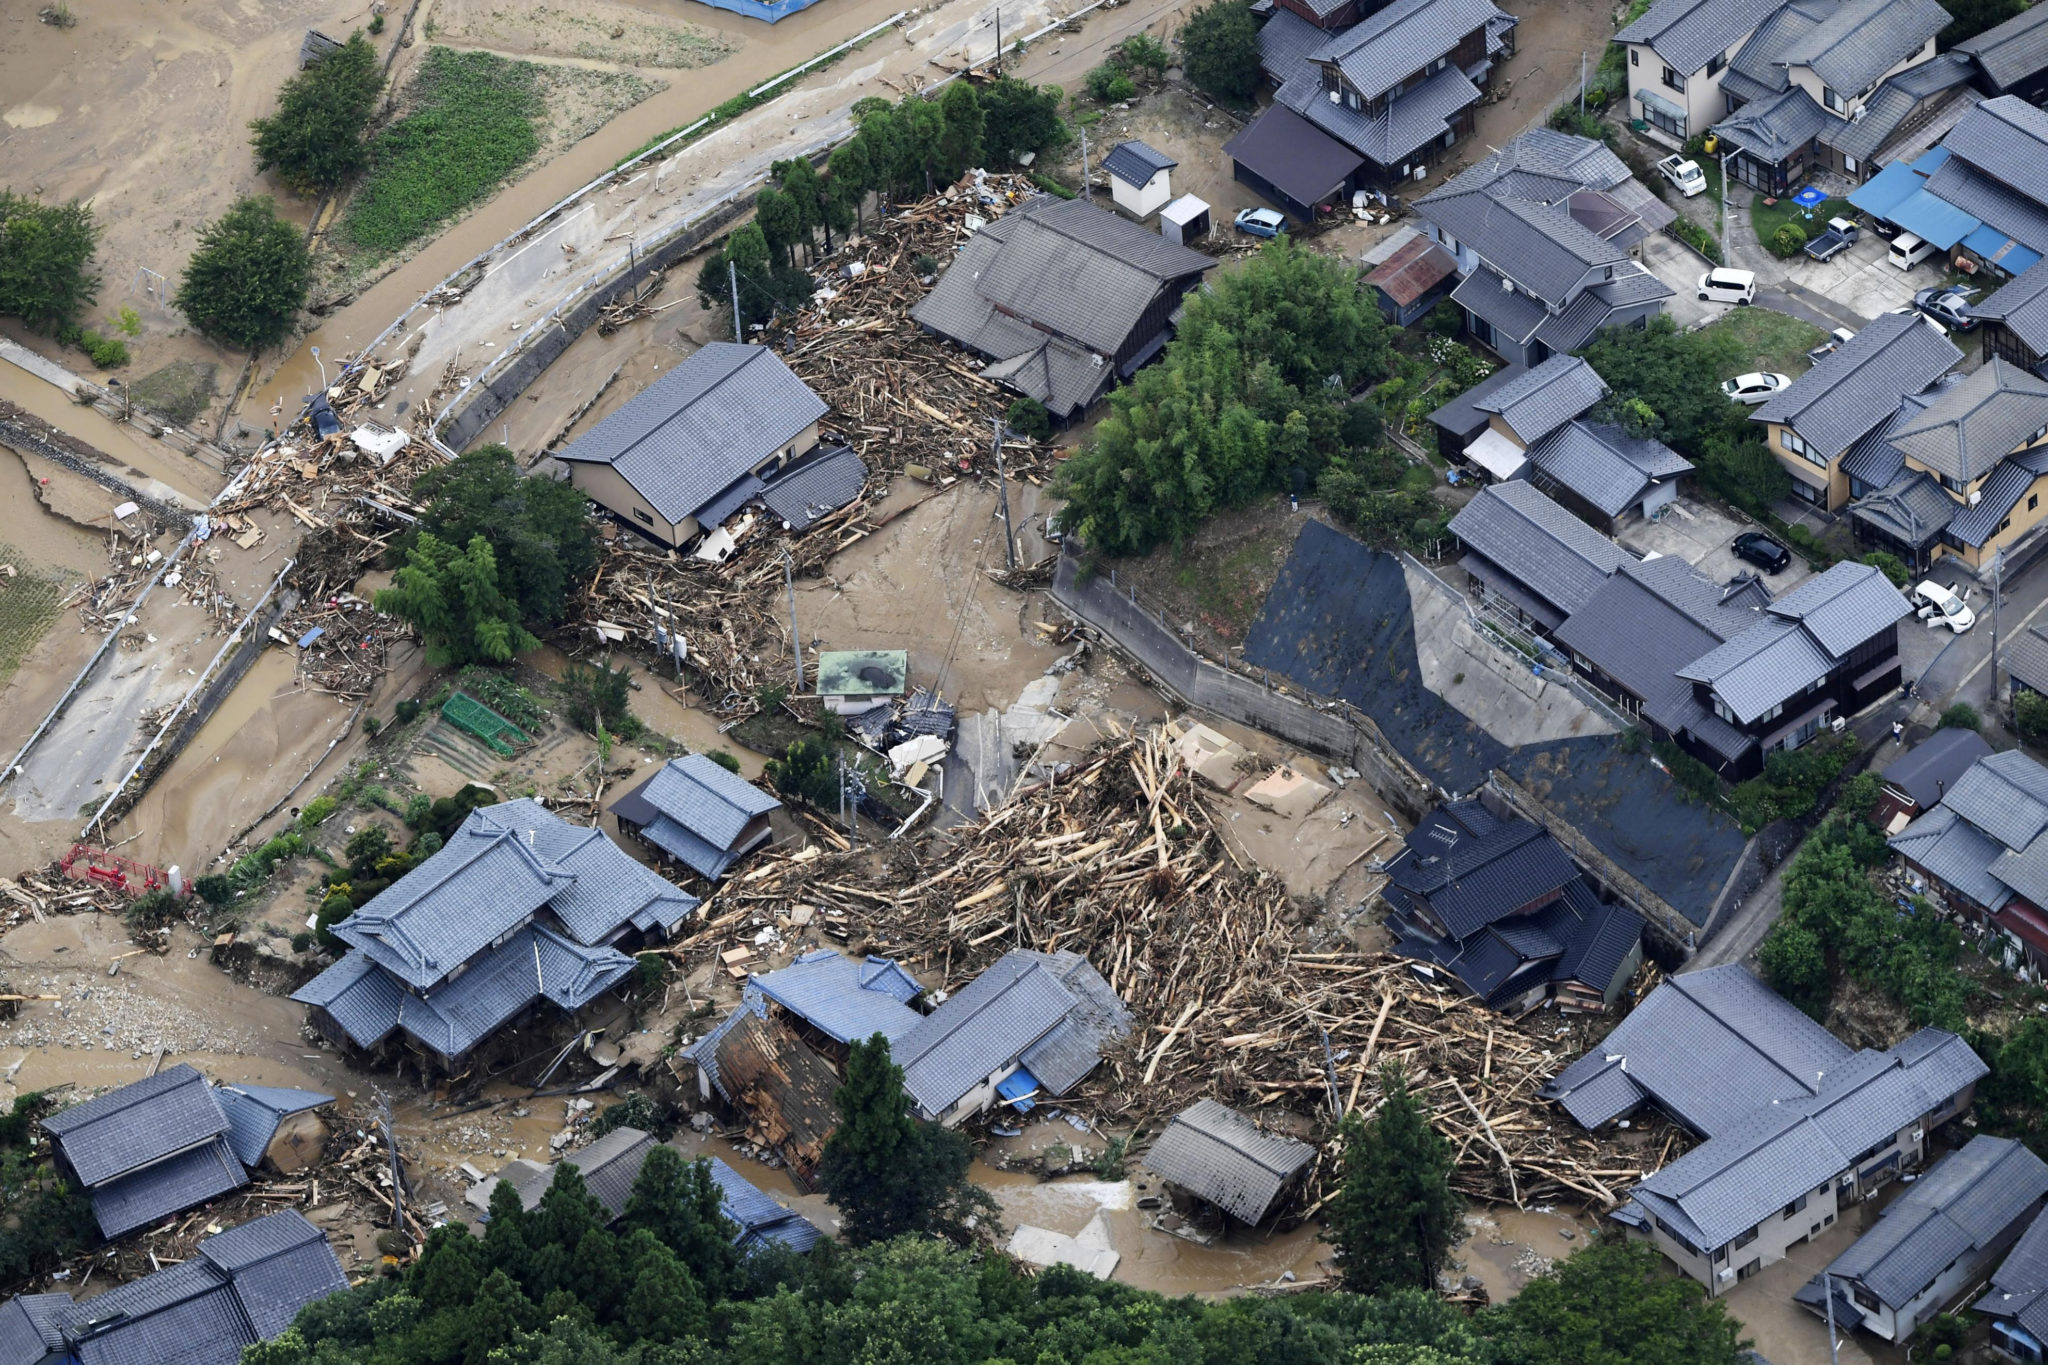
(1261, 222)
(1909, 250)
(1886, 230)
(1836, 340)
(1755, 388)
(1949, 304)
(1723, 285)
(1760, 550)
(1909, 310)
(1685, 176)
(1841, 233)
(1940, 606)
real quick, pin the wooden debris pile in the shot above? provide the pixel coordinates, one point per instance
(1121, 860)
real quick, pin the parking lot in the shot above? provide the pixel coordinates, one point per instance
(1704, 537)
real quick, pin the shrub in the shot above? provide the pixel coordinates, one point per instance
(599, 694)
(245, 284)
(316, 810)
(376, 23)
(214, 889)
(1109, 85)
(806, 772)
(46, 251)
(1788, 240)
(1695, 236)
(303, 941)
(724, 760)
(1143, 52)
(1028, 417)
(924, 265)
(153, 910)
(418, 807)
(637, 1110)
(1890, 565)
(407, 711)
(371, 725)
(2030, 715)
(108, 353)
(1568, 119)
(1445, 320)
(1961, 716)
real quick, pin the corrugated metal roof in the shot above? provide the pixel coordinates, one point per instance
(2012, 51)
(848, 999)
(759, 1217)
(1708, 1047)
(137, 1124)
(1605, 465)
(1136, 162)
(1638, 637)
(1293, 155)
(1393, 43)
(1858, 386)
(255, 1111)
(1687, 33)
(1217, 1154)
(708, 421)
(816, 487)
(1964, 1203)
(172, 1185)
(1410, 273)
(1546, 397)
(1547, 549)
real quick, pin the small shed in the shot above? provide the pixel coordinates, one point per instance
(1140, 177)
(1219, 1156)
(1184, 220)
(1412, 279)
(316, 45)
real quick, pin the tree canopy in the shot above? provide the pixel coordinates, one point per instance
(245, 284)
(1394, 1218)
(316, 138)
(890, 1173)
(1246, 400)
(450, 595)
(539, 529)
(46, 251)
(1219, 51)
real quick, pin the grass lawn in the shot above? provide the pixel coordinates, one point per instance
(1769, 219)
(1767, 340)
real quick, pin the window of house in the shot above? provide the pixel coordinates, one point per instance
(639, 515)
(1955, 485)
(1807, 492)
(1721, 710)
(1849, 164)
(2033, 501)
(1771, 714)
(1865, 1300)
(1796, 1206)
(1657, 116)
(1793, 442)
(1750, 1269)
(1351, 98)
(1745, 1239)
(1673, 80)
(1715, 65)
(1635, 58)
(1833, 100)
(2005, 525)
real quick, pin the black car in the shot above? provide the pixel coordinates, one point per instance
(1760, 550)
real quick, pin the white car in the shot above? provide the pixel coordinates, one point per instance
(1755, 388)
(1685, 176)
(1940, 606)
(1928, 318)
(1723, 285)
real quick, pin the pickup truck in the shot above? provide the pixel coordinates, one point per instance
(1833, 343)
(1841, 232)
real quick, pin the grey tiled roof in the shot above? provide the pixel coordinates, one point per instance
(1136, 162)
(706, 422)
(1858, 386)
(130, 1127)
(1407, 124)
(1707, 1048)
(1980, 192)
(995, 1021)
(359, 996)
(1542, 164)
(2025, 870)
(1862, 39)
(1640, 638)
(1887, 111)
(2014, 50)
(1545, 398)
(482, 884)
(1927, 770)
(2006, 796)
(612, 891)
(1463, 415)
(1770, 663)
(1950, 848)
(2026, 657)
(1981, 520)
(1913, 508)
(760, 1219)
(2019, 1287)
(1757, 71)
(277, 1264)
(1966, 1202)
(697, 811)
(1604, 464)
(846, 998)
(817, 487)
(1538, 543)
(1286, 41)
(1217, 1154)
(1537, 243)
(1388, 46)
(1776, 127)
(1735, 1179)
(2008, 137)
(172, 1185)
(255, 1111)
(31, 1328)
(1688, 33)
(1844, 606)
(1575, 326)
(2021, 303)
(1606, 935)
(1513, 312)
(1977, 423)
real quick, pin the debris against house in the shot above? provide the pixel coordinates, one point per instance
(148, 1149)
(1220, 1157)
(1121, 861)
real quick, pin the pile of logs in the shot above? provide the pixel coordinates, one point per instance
(1235, 996)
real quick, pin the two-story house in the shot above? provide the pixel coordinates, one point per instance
(1815, 421)
(1545, 232)
(1984, 849)
(1395, 91)
(1981, 196)
(1962, 469)
(1811, 69)
(1678, 56)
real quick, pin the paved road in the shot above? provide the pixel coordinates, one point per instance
(1735, 940)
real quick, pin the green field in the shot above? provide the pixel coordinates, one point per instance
(1767, 341)
(28, 605)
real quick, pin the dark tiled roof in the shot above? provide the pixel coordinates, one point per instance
(1604, 464)
(760, 1219)
(1757, 70)
(1688, 33)
(2019, 1287)
(1973, 425)
(130, 1127)
(1926, 771)
(1217, 1154)
(2006, 136)
(1858, 386)
(1393, 43)
(2014, 50)
(1980, 193)
(359, 996)
(1469, 883)
(1707, 1048)
(2026, 657)
(706, 422)
(31, 1328)
(1984, 518)
(1774, 128)
(1862, 39)
(1888, 110)
(816, 487)
(1403, 127)
(1538, 402)
(2022, 303)
(1486, 294)
(1136, 162)
(2006, 796)
(1291, 154)
(1638, 637)
(700, 798)
(1286, 41)
(1538, 543)
(255, 1111)
(1462, 415)
(1537, 243)
(611, 890)
(173, 1185)
(1948, 847)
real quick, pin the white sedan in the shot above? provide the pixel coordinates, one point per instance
(1755, 388)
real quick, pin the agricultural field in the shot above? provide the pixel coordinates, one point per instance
(30, 597)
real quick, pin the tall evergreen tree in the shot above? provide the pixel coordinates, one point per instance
(499, 1313)
(245, 284)
(681, 1205)
(315, 139)
(665, 1305)
(46, 251)
(507, 1246)
(960, 145)
(887, 1172)
(451, 595)
(1394, 1218)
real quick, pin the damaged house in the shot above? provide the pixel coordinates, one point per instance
(1216, 1156)
(698, 813)
(1500, 907)
(1984, 849)
(517, 910)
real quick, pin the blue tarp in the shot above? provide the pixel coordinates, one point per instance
(1898, 194)
(1886, 190)
(754, 9)
(1934, 220)
(1809, 198)
(1018, 1089)
(2000, 250)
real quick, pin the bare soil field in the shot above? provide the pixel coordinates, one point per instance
(618, 35)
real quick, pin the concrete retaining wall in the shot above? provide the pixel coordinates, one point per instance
(28, 442)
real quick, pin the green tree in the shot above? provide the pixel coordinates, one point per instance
(245, 284)
(680, 1204)
(960, 145)
(806, 772)
(1796, 966)
(747, 262)
(2030, 714)
(665, 1304)
(46, 251)
(1890, 565)
(1960, 716)
(1968, 18)
(798, 180)
(1020, 118)
(540, 530)
(451, 596)
(1220, 51)
(1614, 1305)
(890, 1173)
(315, 139)
(850, 175)
(781, 223)
(1028, 417)
(1394, 1218)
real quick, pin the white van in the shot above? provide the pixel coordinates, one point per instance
(1908, 250)
(1728, 286)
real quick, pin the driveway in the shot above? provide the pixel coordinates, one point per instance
(1704, 537)
(1860, 282)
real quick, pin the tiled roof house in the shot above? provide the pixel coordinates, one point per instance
(1220, 1157)
(698, 813)
(1984, 849)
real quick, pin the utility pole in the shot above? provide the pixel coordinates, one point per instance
(732, 274)
(1582, 84)
(1003, 495)
(1997, 595)
(1724, 208)
(796, 641)
(1827, 1292)
(998, 64)
(1086, 193)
